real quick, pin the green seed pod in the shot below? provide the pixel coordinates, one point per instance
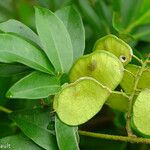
(141, 113)
(127, 82)
(118, 101)
(101, 65)
(116, 46)
(80, 101)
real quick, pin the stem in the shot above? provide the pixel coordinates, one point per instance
(120, 93)
(115, 137)
(131, 99)
(138, 59)
(129, 72)
(6, 110)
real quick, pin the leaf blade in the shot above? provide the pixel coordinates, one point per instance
(73, 22)
(36, 85)
(7, 70)
(19, 141)
(16, 49)
(19, 28)
(66, 134)
(34, 123)
(55, 39)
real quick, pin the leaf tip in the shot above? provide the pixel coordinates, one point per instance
(9, 94)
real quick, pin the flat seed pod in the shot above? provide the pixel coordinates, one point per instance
(118, 101)
(141, 113)
(127, 82)
(101, 65)
(116, 46)
(80, 101)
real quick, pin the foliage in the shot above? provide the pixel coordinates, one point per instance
(82, 68)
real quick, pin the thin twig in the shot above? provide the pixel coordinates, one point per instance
(129, 72)
(138, 59)
(6, 110)
(120, 93)
(115, 137)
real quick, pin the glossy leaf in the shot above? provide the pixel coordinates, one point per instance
(35, 86)
(16, 49)
(66, 136)
(80, 101)
(132, 15)
(116, 46)
(141, 111)
(55, 39)
(118, 101)
(101, 65)
(19, 141)
(33, 124)
(19, 28)
(142, 33)
(73, 22)
(7, 70)
(105, 14)
(90, 15)
(127, 82)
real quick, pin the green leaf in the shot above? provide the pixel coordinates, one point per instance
(33, 124)
(6, 5)
(90, 15)
(16, 49)
(6, 10)
(7, 70)
(73, 22)
(116, 46)
(130, 15)
(118, 101)
(101, 65)
(141, 111)
(127, 82)
(35, 86)
(55, 39)
(18, 142)
(80, 101)
(66, 136)
(142, 33)
(19, 28)
(104, 10)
